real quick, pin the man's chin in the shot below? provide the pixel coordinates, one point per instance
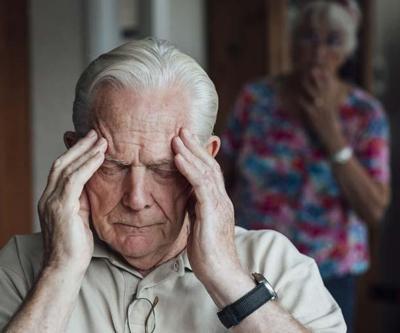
(135, 245)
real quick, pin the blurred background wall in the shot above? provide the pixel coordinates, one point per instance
(63, 36)
(387, 72)
(56, 59)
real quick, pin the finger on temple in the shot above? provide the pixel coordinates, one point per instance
(73, 188)
(193, 176)
(61, 162)
(78, 149)
(198, 171)
(195, 147)
(180, 148)
(71, 158)
(100, 146)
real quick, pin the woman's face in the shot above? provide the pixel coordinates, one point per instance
(320, 46)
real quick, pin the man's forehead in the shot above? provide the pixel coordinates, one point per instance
(142, 123)
(139, 125)
(148, 107)
(124, 110)
(150, 147)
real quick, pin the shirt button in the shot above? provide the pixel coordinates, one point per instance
(175, 266)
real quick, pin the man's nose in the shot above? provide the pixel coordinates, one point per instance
(137, 195)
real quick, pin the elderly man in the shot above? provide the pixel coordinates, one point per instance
(138, 232)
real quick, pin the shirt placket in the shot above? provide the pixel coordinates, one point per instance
(146, 305)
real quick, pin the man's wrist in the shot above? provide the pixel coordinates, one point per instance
(63, 284)
(228, 286)
(64, 270)
(243, 307)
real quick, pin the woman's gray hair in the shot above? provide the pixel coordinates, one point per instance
(343, 17)
(146, 64)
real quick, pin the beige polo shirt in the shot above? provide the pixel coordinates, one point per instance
(116, 298)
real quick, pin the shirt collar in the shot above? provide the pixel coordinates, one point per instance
(186, 262)
(102, 250)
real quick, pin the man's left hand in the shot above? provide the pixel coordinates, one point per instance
(211, 246)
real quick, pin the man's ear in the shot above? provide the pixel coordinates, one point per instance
(70, 138)
(213, 145)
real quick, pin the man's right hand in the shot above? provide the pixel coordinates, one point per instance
(64, 209)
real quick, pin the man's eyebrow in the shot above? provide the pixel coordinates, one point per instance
(116, 161)
(151, 163)
(161, 162)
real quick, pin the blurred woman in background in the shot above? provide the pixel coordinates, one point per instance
(307, 153)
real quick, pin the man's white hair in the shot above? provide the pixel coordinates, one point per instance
(149, 64)
(342, 17)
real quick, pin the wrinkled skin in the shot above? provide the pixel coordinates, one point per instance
(150, 173)
(138, 197)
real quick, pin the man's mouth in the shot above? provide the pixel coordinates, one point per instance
(138, 228)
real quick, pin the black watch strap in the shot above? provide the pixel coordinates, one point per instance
(234, 313)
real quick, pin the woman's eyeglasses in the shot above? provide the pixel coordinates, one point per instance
(333, 40)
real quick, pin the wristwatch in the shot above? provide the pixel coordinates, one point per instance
(343, 155)
(234, 313)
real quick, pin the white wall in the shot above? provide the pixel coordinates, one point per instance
(183, 23)
(101, 26)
